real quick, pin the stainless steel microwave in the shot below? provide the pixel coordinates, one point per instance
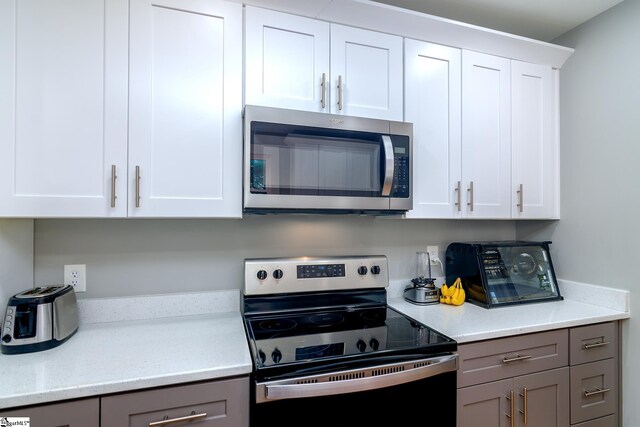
(308, 162)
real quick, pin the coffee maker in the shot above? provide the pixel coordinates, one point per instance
(422, 290)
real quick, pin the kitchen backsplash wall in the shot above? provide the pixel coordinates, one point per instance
(16, 257)
(142, 257)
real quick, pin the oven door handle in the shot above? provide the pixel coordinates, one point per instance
(349, 381)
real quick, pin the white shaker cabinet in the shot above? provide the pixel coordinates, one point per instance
(433, 105)
(306, 64)
(486, 136)
(185, 109)
(63, 108)
(534, 144)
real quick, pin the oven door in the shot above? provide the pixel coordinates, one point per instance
(299, 161)
(402, 391)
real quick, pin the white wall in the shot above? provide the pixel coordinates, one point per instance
(141, 257)
(16, 258)
(596, 240)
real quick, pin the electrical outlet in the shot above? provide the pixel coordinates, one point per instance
(433, 254)
(76, 276)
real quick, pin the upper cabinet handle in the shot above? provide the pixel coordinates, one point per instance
(113, 186)
(520, 198)
(323, 87)
(340, 93)
(470, 191)
(459, 196)
(138, 186)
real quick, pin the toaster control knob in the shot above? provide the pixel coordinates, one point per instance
(362, 270)
(277, 274)
(262, 274)
(6, 338)
(374, 344)
(362, 346)
(375, 269)
(276, 356)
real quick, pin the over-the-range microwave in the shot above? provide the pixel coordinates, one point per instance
(308, 162)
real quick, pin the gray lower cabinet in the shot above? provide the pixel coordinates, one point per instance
(76, 413)
(555, 378)
(217, 404)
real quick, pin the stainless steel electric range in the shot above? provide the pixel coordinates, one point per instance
(327, 350)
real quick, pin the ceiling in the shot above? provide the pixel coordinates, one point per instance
(537, 19)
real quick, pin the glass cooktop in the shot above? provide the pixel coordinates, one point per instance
(339, 334)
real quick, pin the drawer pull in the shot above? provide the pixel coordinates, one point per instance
(596, 344)
(167, 421)
(515, 359)
(598, 390)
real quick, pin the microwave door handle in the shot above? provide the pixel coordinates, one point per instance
(388, 165)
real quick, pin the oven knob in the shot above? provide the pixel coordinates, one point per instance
(6, 338)
(362, 270)
(362, 346)
(276, 356)
(277, 274)
(375, 269)
(262, 357)
(374, 344)
(262, 274)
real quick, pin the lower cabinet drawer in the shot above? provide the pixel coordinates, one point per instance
(608, 421)
(76, 413)
(594, 390)
(491, 360)
(593, 342)
(222, 403)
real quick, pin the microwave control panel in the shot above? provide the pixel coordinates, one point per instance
(401, 167)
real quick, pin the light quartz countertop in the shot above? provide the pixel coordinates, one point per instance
(125, 344)
(117, 356)
(583, 304)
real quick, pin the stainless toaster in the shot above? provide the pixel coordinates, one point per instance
(39, 319)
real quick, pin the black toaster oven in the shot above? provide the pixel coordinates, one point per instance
(503, 273)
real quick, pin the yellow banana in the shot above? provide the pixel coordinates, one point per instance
(444, 290)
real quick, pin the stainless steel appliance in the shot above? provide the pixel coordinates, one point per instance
(503, 273)
(39, 319)
(328, 350)
(308, 162)
(422, 290)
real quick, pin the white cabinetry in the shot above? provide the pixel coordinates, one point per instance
(185, 126)
(534, 157)
(63, 107)
(486, 136)
(305, 64)
(433, 105)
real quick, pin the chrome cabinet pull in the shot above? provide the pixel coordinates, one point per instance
(113, 186)
(511, 416)
(598, 390)
(524, 405)
(458, 203)
(340, 93)
(137, 186)
(520, 198)
(323, 87)
(596, 345)
(515, 359)
(187, 418)
(470, 191)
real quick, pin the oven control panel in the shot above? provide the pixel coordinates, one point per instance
(306, 274)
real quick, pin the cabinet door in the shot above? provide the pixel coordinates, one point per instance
(63, 107)
(486, 135)
(185, 127)
(223, 403)
(366, 73)
(543, 398)
(77, 413)
(534, 148)
(286, 58)
(490, 404)
(432, 104)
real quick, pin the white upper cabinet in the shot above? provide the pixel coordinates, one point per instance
(185, 126)
(534, 143)
(290, 63)
(286, 57)
(433, 105)
(486, 136)
(63, 108)
(366, 73)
